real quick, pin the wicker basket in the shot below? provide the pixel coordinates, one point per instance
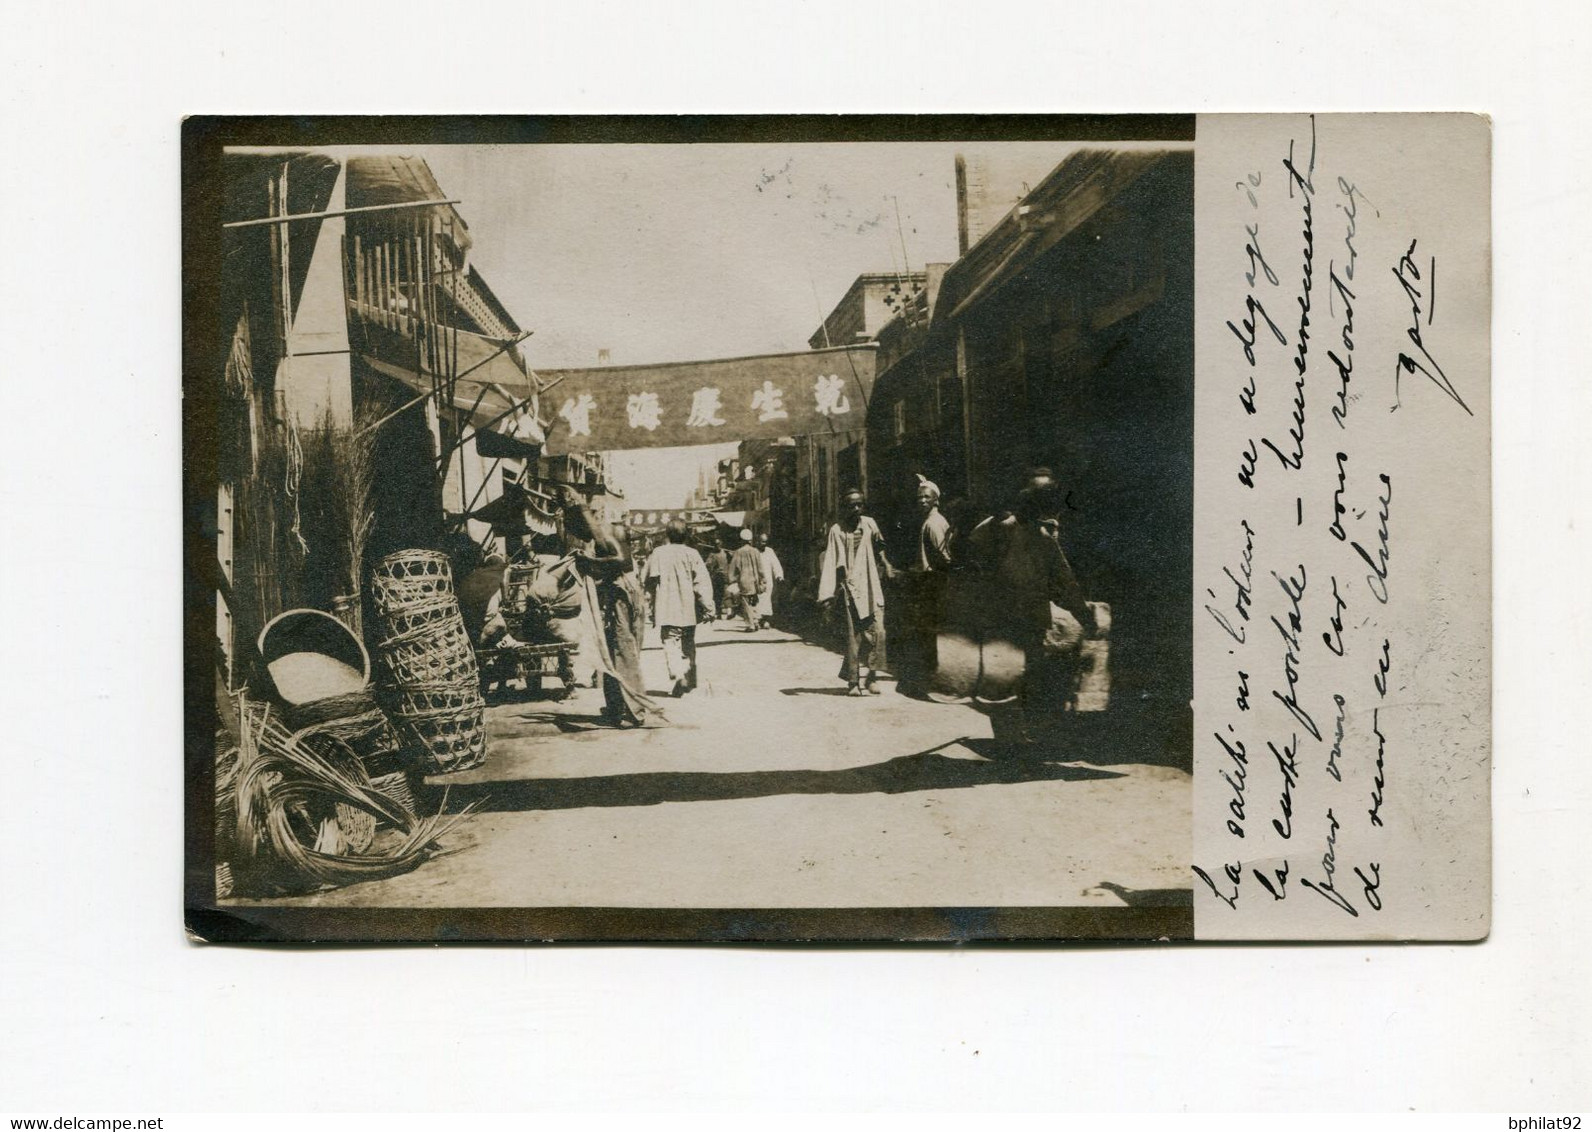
(311, 656)
(429, 699)
(396, 786)
(438, 653)
(410, 577)
(450, 740)
(403, 621)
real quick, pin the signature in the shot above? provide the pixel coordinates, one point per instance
(1408, 273)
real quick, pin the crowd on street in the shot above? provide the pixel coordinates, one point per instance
(992, 612)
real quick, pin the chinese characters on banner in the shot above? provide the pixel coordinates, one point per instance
(662, 406)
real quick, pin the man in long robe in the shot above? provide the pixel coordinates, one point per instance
(773, 571)
(850, 577)
(617, 606)
(682, 594)
(926, 584)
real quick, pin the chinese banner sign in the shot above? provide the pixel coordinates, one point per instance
(677, 404)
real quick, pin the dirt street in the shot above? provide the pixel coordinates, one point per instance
(773, 789)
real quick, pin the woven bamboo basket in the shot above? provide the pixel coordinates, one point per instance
(407, 619)
(410, 577)
(438, 653)
(450, 740)
(429, 699)
(396, 786)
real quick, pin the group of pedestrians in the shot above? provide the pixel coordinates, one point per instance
(1002, 583)
(744, 582)
(687, 589)
(1018, 608)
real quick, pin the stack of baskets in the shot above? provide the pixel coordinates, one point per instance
(427, 659)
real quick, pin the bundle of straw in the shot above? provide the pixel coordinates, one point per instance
(281, 781)
(353, 480)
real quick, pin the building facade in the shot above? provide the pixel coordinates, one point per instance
(1064, 339)
(373, 397)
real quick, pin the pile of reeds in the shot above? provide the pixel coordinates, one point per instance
(352, 480)
(284, 793)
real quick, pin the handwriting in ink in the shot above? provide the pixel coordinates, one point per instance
(1408, 274)
(1246, 465)
(1235, 781)
(1333, 637)
(1375, 812)
(1376, 580)
(1307, 191)
(1329, 866)
(1294, 588)
(1337, 740)
(1276, 884)
(1345, 364)
(1294, 458)
(1287, 762)
(1371, 885)
(1234, 874)
(1242, 598)
(1350, 211)
(1338, 510)
(1384, 664)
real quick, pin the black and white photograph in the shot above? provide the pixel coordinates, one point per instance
(672, 532)
(795, 559)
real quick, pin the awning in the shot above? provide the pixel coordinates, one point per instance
(517, 512)
(731, 518)
(497, 396)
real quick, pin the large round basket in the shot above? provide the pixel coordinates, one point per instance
(312, 657)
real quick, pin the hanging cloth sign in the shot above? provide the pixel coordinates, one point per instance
(612, 408)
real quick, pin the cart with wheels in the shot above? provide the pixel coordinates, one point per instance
(531, 664)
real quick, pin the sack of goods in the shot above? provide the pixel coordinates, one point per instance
(426, 659)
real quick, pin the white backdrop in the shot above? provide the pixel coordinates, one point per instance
(105, 1007)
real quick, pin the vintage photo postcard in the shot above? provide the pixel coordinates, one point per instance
(838, 529)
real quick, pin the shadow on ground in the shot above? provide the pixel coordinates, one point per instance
(1109, 738)
(925, 770)
(1151, 897)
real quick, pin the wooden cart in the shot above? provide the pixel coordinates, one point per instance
(530, 664)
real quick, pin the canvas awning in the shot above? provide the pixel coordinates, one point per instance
(497, 395)
(517, 512)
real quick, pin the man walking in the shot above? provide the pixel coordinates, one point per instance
(850, 573)
(746, 574)
(718, 561)
(682, 595)
(773, 572)
(928, 578)
(614, 611)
